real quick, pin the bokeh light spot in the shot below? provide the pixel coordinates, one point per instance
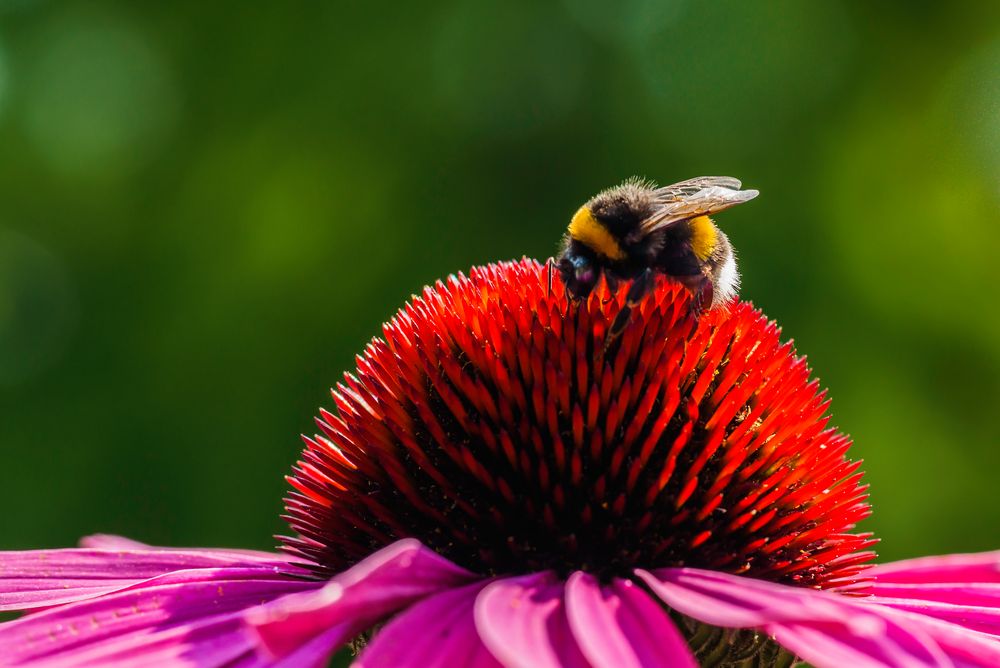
(626, 24)
(976, 105)
(931, 215)
(98, 96)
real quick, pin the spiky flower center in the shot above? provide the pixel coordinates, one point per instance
(498, 424)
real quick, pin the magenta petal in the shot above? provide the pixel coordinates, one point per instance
(877, 647)
(185, 613)
(619, 625)
(732, 601)
(437, 632)
(962, 589)
(523, 622)
(388, 580)
(216, 640)
(981, 567)
(965, 585)
(987, 594)
(822, 628)
(39, 578)
(976, 617)
(967, 648)
(313, 654)
(106, 541)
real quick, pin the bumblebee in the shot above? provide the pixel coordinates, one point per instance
(637, 230)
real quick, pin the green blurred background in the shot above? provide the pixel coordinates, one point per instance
(207, 208)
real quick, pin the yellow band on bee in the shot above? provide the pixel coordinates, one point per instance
(587, 230)
(704, 236)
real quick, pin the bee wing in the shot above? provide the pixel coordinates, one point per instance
(701, 196)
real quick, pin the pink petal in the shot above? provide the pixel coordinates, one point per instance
(104, 541)
(976, 617)
(437, 632)
(981, 567)
(391, 579)
(962, 589)
(313, 654)
(736, 602)
(966, 648)
(184, 613)
(987, 594)
(619, 625)
(38, 578)
(825, 645)
(963, 586)
(211, 641)
(822, 628)
(523, 622)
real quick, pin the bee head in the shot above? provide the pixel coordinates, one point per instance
(607, 223)
(579, 271)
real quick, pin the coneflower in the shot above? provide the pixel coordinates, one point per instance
(504, 484)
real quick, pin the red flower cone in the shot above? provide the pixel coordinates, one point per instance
(502, 483)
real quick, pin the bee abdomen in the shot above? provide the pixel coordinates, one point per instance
(725, 274)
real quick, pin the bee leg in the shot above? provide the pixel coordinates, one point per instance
(702, 292)
(703, 298)
(612, 283)
(639, 288)
(548, 271)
